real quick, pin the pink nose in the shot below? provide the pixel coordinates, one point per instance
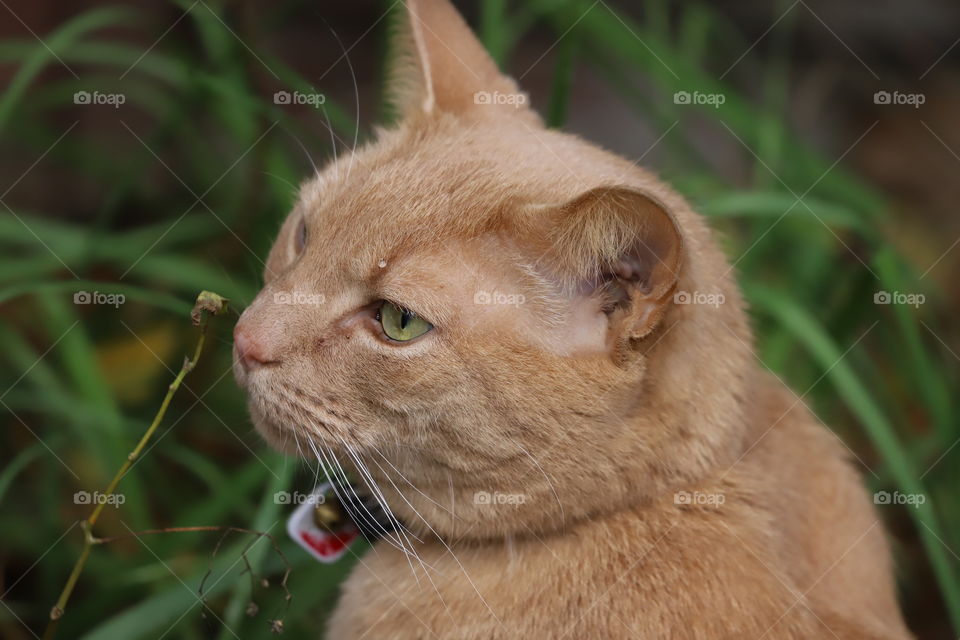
(250, 350)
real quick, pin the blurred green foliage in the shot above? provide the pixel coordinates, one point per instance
(81, 382)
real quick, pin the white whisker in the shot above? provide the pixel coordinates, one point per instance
(404, 478)
(333, 144)
(382, 501)
(453, 496)
(356, 96)
(333, 482)
(307, 153)
(369, 518)
(443, 542)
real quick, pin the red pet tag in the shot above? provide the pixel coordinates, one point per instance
(325, 545)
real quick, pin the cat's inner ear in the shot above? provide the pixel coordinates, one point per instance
(438, 64)
(618, 247)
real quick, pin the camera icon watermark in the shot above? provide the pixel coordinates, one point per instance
(910, 499)
(299, 298)
(516, 100)
(114, 100)
(97, 498)
(699, 297)
(96, 297)
(898, 98)
(896, 297)
(298, 497)
(483, 297)
(314, 100)
(497, 498)
(714, 100)
(698, 498)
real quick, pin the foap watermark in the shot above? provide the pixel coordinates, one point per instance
(498, 498)
(85, 497)
(699, 98)
(298, 97)
(97, 297)
(899, 98)
(97, 98)
(298, 497)
(699, 498)
(699, 297)
(911, 499)
(299, 298)
(898, 297)
(498, 298)
(515, 100)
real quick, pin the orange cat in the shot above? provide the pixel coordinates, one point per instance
(499, 329)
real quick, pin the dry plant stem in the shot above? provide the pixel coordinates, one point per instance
(207, 304)
(225, 530)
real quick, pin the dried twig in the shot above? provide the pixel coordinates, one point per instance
(207, 304)
(287, 596)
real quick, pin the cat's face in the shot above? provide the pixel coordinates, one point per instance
(474, 304)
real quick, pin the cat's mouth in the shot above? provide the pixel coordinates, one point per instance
(293, 420)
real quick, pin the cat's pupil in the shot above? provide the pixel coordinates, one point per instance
(405, 318)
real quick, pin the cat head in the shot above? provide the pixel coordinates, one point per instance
(489, 315)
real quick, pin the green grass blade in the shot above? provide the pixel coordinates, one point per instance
(43, 53)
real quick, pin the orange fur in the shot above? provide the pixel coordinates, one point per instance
(593, 401)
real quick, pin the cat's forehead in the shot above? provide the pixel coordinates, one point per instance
(428, 184)
(451, 177)
(416, 188)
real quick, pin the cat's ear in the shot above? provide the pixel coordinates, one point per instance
(438, 64)
(618, 246)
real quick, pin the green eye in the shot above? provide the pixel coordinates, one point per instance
(401, 325)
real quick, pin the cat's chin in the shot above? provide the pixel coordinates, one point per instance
(277, 437)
